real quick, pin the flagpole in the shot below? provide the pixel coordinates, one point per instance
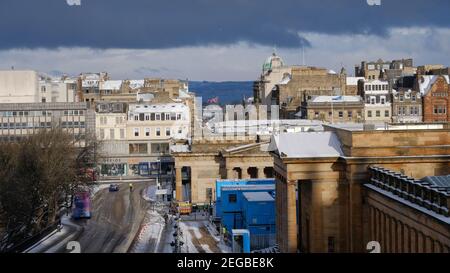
(332, 111)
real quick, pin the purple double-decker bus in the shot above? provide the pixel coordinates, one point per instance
(82, 206)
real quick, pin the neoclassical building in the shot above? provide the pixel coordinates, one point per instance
(321, 178)
(199, 165)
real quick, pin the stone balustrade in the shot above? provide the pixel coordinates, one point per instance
(422, 193)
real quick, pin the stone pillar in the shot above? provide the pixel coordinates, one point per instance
(292, 225)
(261, 173)
(230, 174)
(194, 184)
(245, 174)
(179, 184)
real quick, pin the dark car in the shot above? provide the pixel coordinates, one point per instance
(113, 187)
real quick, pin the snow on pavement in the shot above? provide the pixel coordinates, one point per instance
(198, 238)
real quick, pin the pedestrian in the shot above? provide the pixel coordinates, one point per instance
(131, 187)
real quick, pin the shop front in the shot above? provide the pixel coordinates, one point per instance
(113, 167)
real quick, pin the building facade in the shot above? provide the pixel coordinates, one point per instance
(19, 86)
(407, 215)
(305, 83)
(57, 89)
(377, 98)
(199, 165)
(435, 93)
(334, 109)
(320, 186)
(19, 120)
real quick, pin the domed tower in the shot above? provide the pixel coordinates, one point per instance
(274, 61)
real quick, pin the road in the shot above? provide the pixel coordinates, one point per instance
(116, 219)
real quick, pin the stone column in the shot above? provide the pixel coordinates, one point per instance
(261, 173)
(245, 174)
(194, 185)
(230, 174)
(292, 225)
(179, 185)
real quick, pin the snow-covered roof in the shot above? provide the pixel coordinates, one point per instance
(258, 196)
(353, 80)
(111, 85)
(213, 107)
(179, 149)
(427, 81)
(135, 84)
(306, 145)
(334, 99)
(285, 80)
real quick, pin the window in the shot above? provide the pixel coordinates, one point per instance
(178, 116)
(440, 109)
(122, 133)
(136, 132)
(167, 131)
(341, 114)
(369, 114)
(167, 116)
(136, 117)
(180, 131)
(232, 198)
(147, 117)
(383, 100)
(112, 134)
(43, 100)
(138, 148)
(386, 113)
(316, 114)
(350, 114)
(158, 116)
(152, 116)
(43, 89)
(147, 132)
(173, 116)
(102, 133)
(378, 113)
(413, 97)
(402, 98)
(158, 132)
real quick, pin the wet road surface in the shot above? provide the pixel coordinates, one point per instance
(116, 218)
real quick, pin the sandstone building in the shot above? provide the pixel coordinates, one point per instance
(320, 180)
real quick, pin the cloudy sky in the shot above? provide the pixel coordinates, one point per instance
(216, 39)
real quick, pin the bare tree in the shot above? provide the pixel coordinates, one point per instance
(39, 176)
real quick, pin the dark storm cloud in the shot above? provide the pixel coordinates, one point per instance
(175, 23)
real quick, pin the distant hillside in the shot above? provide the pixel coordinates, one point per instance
(228, 92)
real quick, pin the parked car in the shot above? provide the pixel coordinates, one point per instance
(113, 187)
